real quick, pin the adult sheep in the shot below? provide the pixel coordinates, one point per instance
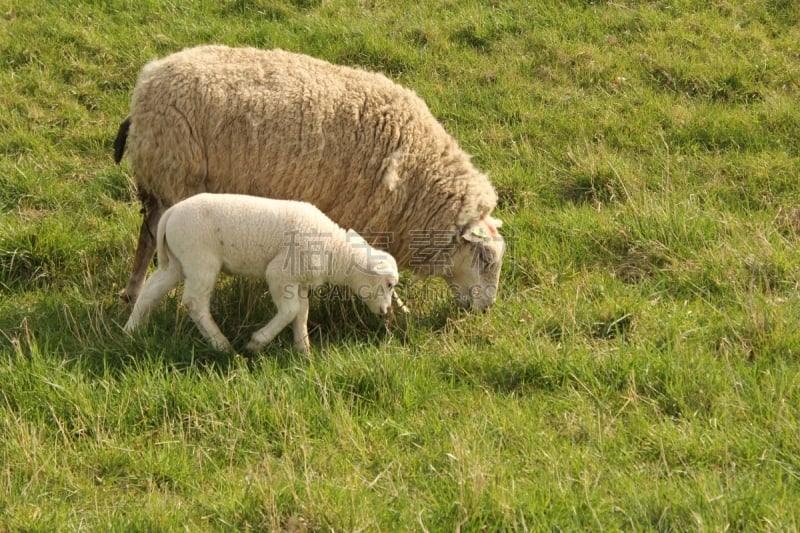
(248, 121)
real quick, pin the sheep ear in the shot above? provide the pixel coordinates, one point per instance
(483, 230)
(476, 233)
(496, 222)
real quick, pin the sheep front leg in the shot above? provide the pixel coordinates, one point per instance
(289, 307)
(197, 299)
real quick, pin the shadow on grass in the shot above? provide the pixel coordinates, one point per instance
(79, 327)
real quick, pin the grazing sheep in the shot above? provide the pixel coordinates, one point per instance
(363, 149)
(293, 244)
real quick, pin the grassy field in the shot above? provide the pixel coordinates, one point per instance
(640, 370)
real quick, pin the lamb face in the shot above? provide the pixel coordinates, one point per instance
(376, 287)
(377, 291)
(474, 273)
(374, 282)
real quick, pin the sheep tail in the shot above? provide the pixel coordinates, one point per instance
(122, 137)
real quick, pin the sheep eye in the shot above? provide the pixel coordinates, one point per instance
(389, 285)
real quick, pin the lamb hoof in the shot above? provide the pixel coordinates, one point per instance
(221, 345)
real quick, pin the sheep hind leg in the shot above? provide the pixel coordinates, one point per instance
(197, 299)
(157, 286)
(145, 247)
(289, 308)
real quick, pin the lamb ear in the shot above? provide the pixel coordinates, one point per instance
(383, 268)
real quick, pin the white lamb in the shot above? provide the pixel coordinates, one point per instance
(292, 244)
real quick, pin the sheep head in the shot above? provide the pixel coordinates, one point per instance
(474, 273)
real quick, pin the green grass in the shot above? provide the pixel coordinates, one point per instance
(640, 370)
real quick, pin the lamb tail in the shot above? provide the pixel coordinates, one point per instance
(162, 248)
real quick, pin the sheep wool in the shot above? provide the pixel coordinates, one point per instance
(291, 244)
(365, 150)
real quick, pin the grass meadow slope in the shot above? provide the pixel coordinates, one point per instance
(640, 370)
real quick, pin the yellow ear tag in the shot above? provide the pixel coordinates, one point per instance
(479, 232)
